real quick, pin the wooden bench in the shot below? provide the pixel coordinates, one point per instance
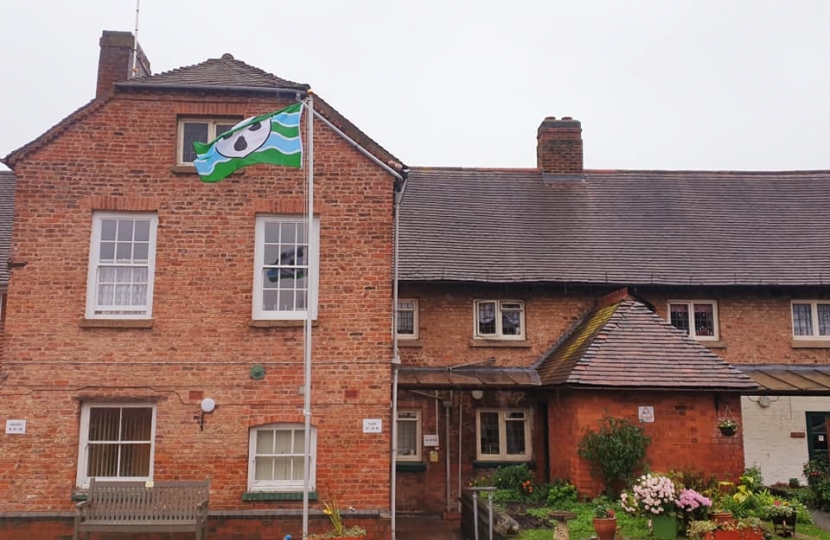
(136, 507)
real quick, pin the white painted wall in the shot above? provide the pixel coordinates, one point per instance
(766, 432)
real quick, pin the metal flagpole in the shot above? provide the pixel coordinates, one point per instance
(312, 276)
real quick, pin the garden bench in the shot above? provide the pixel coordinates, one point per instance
(131, 507)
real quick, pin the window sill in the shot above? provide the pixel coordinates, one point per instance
(259, 323)
(718, 344)
(410, 343)
(478, 464)
(811, 344)
(507, 343)
(410, 466)
(185, 170)
(277, 496)
(116, 323)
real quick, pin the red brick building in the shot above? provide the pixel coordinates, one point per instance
(530, 304)
(139, 291)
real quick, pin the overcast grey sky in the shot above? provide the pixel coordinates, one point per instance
(657, 84)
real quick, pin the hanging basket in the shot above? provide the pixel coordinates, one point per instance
(728, 431)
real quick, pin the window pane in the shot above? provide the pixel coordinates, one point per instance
(264, 442)
(104, 423)
(282, 468)
(264, 468)
(486, 318)
(136, 423)
(824, 319)
(489, 436)
(102, 460)
(108, 227)
(107, 252)
(298, 464)
(222, 128)
(407, 438)
(142, 230)
(515, 433)
(283, 442)
(680, 317)
(406, 318)
(704, 320)
(299, 442)
(802, 320)
(192, 132)
(135, 460)
(511, 322)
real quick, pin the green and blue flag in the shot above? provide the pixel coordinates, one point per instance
(271, 138)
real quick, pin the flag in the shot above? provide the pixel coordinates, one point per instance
(270, 138)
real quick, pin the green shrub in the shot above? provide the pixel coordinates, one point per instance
(562, 495)
(512, 476)
(615, 452)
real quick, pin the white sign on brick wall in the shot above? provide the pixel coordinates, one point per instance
(15, 427)
(372, 425)
(646, 414)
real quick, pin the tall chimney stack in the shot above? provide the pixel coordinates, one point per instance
(559, 147)
(115, 62)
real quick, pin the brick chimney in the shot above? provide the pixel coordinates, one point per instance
(115, 63)
(559, 146)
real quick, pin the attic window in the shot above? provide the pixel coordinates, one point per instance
(811, 319)
(697, 319)
(198, 130)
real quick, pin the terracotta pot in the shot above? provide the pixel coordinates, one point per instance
(606, 528)
(722, 517)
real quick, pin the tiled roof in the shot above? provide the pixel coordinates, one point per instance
(225, 72)
(795, 379)
(7, 186)
(617, 227)
(623, 344)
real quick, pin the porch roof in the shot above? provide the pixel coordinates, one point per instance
(468, 377)
(624, 344)
(783, 379)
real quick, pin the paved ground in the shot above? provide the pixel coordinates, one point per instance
(822, 519)
(420, 527)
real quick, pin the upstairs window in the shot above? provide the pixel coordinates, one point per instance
(283, 259)
(121, 266)
(503, 435)
(811, 319)
(407, 317)
(201, 130)
(409, 436)
(116, 442)
(277, 457)
(697, 319)
(499, 319)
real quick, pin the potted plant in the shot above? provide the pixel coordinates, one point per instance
(338, 527)
(752, 528)
(728, 427)
(692, 506)
(605, 521)
(701, 529)
(654, 496)
(783, 516)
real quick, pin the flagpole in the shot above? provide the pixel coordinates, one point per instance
(312, 276)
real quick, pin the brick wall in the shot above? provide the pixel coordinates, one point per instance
(119, 156)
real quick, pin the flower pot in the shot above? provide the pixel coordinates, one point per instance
(784, 526)
(722, 517)
(664, 527)
(605, 528)
(752, 533)
(728, 431)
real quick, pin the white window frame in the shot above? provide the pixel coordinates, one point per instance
(414, 310)
(690, 305)
(282, 485)
(82, 478)
(93, 310)
(814, 322)
(313, 266)
(418, 444)
(499, 307)
(212, 132)
(503, 455)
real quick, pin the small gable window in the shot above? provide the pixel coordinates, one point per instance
(201, 130)
(499, 319)
(697, 319)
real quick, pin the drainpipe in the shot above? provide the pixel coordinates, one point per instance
(396, 358)
(447, 407)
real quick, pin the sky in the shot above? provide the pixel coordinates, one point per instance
(660, 84)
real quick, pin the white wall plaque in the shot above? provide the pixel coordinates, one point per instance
(372, 425)
(15, 427)
(646, 414)
(430, 440)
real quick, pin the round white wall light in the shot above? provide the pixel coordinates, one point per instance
(207, 405)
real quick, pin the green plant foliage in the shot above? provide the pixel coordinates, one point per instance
(512, 476)
(615, 452)
(562, 495)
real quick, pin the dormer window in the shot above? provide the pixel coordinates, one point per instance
(198, 130)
